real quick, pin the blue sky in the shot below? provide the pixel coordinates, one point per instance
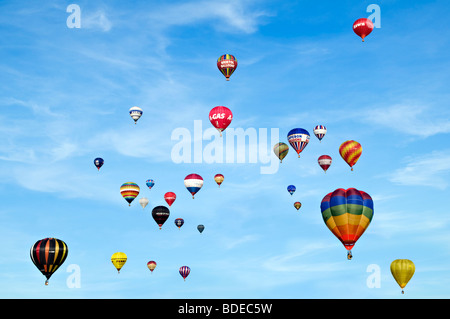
(65, 96)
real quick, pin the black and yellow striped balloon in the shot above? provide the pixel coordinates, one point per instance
(48, 255)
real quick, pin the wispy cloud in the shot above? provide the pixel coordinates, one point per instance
(96, 20)
(425, 170)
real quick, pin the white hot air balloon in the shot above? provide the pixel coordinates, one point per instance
(143, 201)
(135, 113)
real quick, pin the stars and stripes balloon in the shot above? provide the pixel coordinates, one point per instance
(184, 271)
(193, 183)
(320, 131)
(129, 191)
(363, 27)
(350, 152)
(298, 138)
(347, 213)
(135, 113)
(281, 150)
(324, 162)
(48, 255)
(227, 64)
(220, 117)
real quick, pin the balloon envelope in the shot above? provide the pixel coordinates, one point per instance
(179, 222)
(324, 162)
(281, 150)
(218, 178)
(129, 191)
(119, 259)
(135, 113)
(160, 215)
(298, 138)
(151, 265)
(150, 183)
(200, 228)
(185, 271)
(402, 270)
(297, 205)
(193, 183)
(363, 27)
(350, 152)
(227, 64)
(220, 117)
(320, 131)
(291, 189)
(170, 198)
(347, 213)
(143, 201)
(98, 162)
(48, 255)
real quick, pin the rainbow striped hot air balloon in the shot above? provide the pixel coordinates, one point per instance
(347, 213)
(129, 191)
(350, 151)
(193, 183)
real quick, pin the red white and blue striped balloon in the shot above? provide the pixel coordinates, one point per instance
(320, 131)
(298, 138)
(185, 271)
(193, 183)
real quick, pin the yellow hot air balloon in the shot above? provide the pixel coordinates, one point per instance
(119, 259)
(402, 270)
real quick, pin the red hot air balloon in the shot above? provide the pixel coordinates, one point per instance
(227, 64)
(324, 162)
(170, 197)
(363, 27)
(220, 117)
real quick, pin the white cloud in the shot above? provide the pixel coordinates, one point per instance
(96, 20)
(426, 170)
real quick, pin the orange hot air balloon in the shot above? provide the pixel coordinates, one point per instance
(350, 151)
(218, 178)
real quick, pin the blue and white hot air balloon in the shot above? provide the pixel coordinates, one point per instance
(298, 138)
(135, 113)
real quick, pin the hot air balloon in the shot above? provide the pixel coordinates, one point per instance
(150, 183)
(143, 201)
(151, 265)
(160, 215)
(350, 151)
(297, 205)
(170, 198)
(363, 27)
(129, 191)
(185, 271)
(193, 183)
(119, 259)
(281, 150)
(98, 162)
(402, 270)
(200, 228)
(227, 64)
(220, 117)
(324, 162)
(218, 178)
(135, 113)
(320, 131)
(347, 213)
(179, 222)
(48, 255)
(291, 189)
(298, 138)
